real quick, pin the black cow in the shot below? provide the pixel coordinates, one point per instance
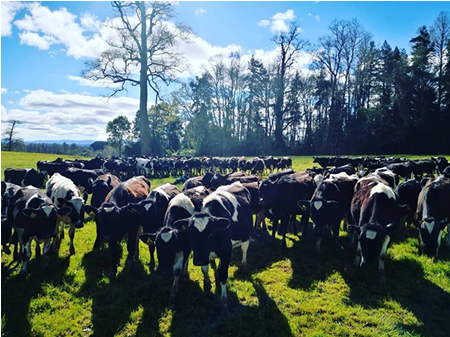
(224, 222)
(101, 187)
(33, 216)
(152, 211)
(81, 177)
(329, 205)
(115, 218)
(433, 214)
(25, 177)
(375, 212)
(279, 198)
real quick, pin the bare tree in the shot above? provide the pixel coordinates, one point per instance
(290, 44)
(146, 43)
(9, 134)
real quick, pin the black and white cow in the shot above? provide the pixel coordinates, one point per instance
(34, 216)
(407, 196)
(172, 243)
(101, 187)
(25, 177)
(115, 218)
(224, 222)
(433, 214)
(8, 192)
(375, 213)
(64, 193)
(329, 205)
(81, 177)
(152, 211)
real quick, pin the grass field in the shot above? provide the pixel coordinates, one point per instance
(285, 293)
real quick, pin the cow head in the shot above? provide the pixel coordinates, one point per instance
(431, 234)
(148, 214)
(323, 214)
(76, 216)
(373, 240)
(46, 216)
(267, 193)
(100, 189)
(201, 228)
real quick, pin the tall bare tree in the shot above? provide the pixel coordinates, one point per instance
(146, 42)
(9, 134)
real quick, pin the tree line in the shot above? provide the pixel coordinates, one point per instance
(356, 98)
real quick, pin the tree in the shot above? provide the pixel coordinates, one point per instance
(9, 135)
(290, 44)
(118, 130)
(147, 41)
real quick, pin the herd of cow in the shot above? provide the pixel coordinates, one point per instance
(213, 212)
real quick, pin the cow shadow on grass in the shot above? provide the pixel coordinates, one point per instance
(133, 296)
(198, 314)
(19, 290)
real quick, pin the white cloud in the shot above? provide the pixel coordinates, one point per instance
(47, 115)
(98, 84)
(34, 39)
(279, 22)
(9, 11)
(200, 11)
(317, 17)
(4, 90)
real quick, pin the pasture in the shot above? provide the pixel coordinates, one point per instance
(286, 292)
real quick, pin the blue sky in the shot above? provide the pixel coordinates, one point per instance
(45, 45)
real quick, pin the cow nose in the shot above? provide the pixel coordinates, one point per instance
(79, 224)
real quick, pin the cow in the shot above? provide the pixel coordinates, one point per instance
(152, 211)
(375, 212)
(115, 218)
(64, 193)
(329, 205)
(25, 177)
(407, 196)
(34, 216)
(81, 177)
(279, 198)
(172, 243)
(8, 192)
(101, 186)
(433, 214)
(224, 222)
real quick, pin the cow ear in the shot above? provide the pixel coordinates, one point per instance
(333, 204)
(90, 182)
(181, 225)
(109, 181)
(303, 204)
(354, 229)
(64, 211)
(90, 209)
(221, 223)
(148, 238)
(444, 223)
(31, 213)
(3, 185)
(85, 196)
(130, 208)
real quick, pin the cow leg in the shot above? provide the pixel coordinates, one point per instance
(21, 245)
(37, 250)
(318, 242)
(357, 261)
(131, 248)
(71, 236)
(6, 249)
(206, 280)
(448, 235)
(244, 248)
(421, 244)
(151, 249)
(283, 229)
(382, 258)
(47, 249)
(114, 251)
(177, 271)
(222, 277)
(26, 257)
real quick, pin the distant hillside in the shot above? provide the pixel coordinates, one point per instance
(82, 143)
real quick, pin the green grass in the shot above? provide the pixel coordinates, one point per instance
(285, 293)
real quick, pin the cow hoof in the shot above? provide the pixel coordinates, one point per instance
(152, 265)
(22, 273)
(207, 286)
(382, 280)
(72, 250)
(6, 250)
(224, 309)
(173, 297)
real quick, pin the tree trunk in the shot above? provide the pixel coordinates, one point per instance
(144, 127)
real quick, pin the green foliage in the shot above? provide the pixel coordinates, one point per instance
(118, 131)
(286, 292)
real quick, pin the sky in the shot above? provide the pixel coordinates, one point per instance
(45, 45)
